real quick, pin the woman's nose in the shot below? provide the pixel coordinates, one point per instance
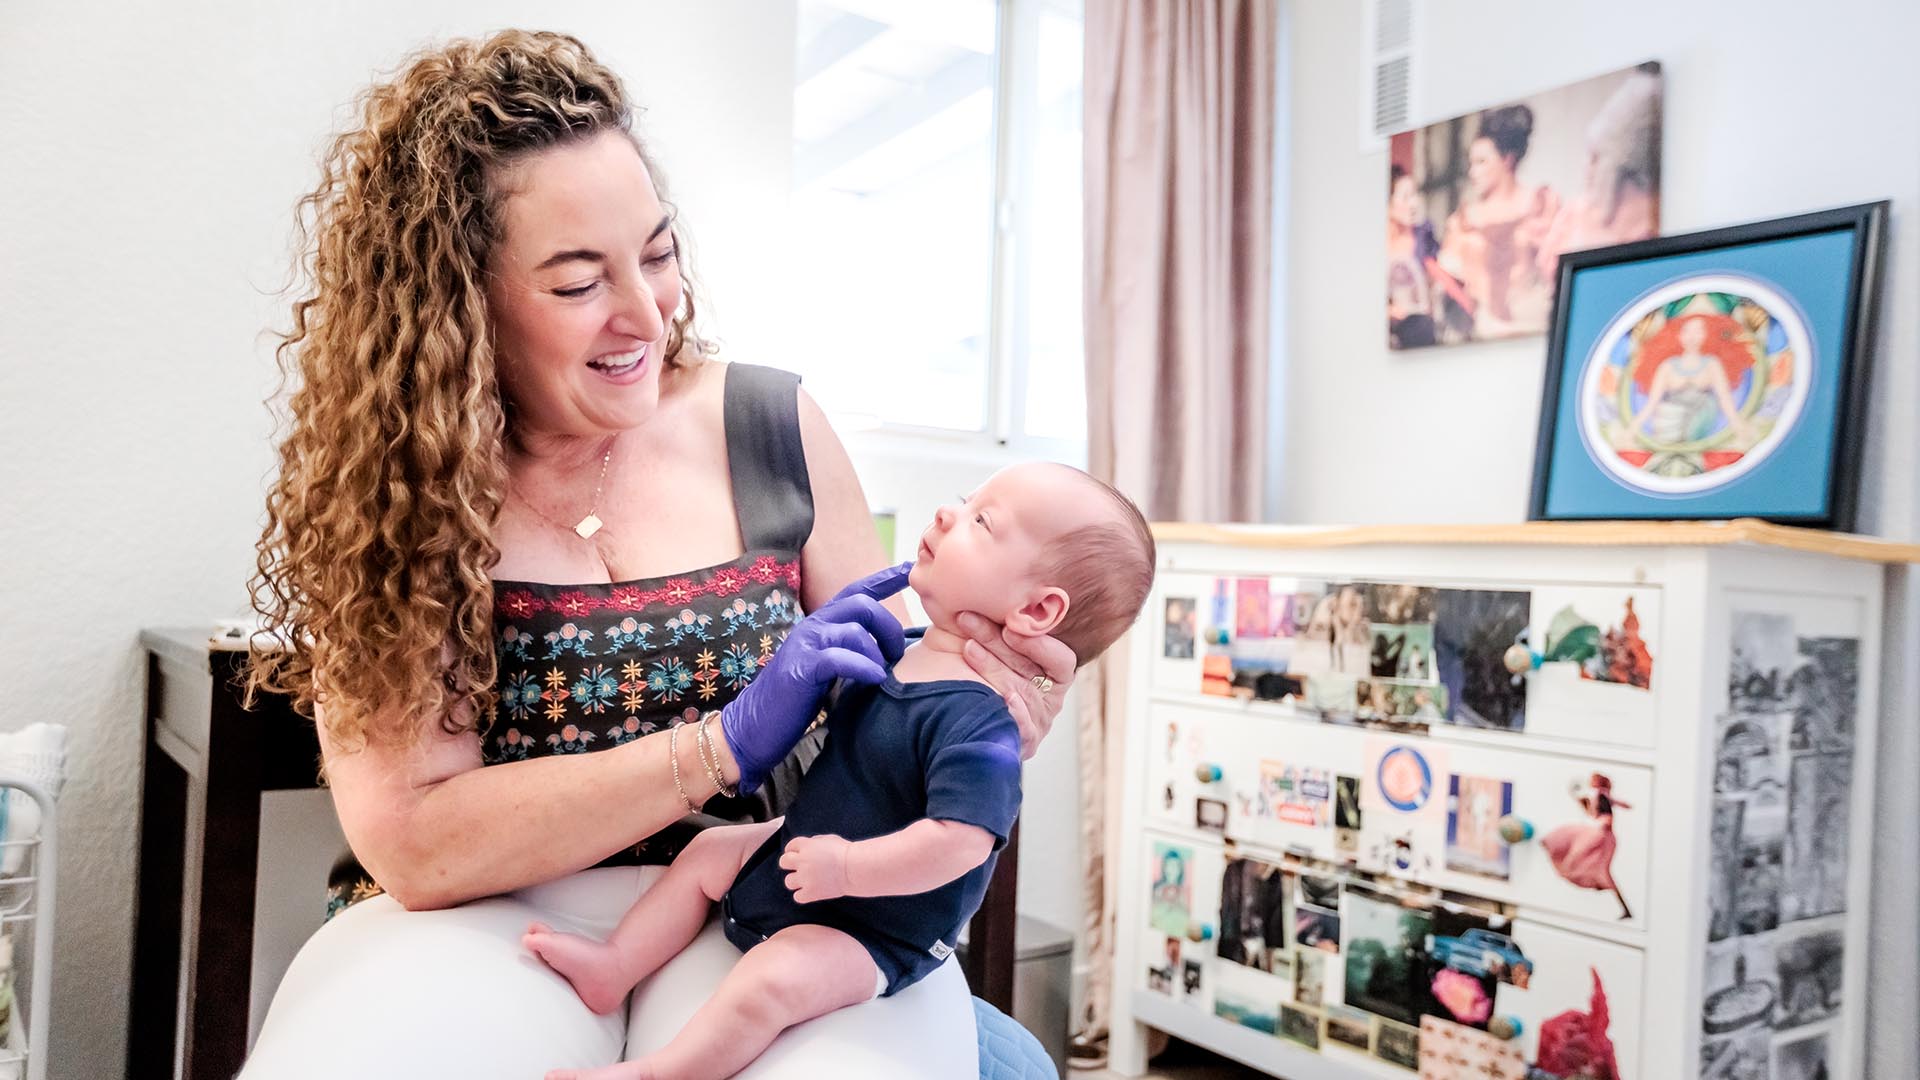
(639, 312)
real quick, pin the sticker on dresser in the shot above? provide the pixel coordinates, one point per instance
(1567, 836)
(1177, 944)
(1779, 869)
(1179, 625)
(1279, 778)
(1597, 653)
(1187, 769)
(1579, 1012)
(1403, 817)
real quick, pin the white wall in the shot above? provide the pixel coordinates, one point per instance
(152, 158)
(1787, 107)
(1773, 107)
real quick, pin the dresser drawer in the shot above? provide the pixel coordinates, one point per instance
(1429, 807)
(1569, 972)
(1432, 652)
(1297, 956)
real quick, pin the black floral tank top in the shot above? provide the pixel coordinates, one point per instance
(588, 667)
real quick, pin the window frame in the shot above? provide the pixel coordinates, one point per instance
(1009, 360)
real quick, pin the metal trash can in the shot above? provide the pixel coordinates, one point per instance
(1042, 983)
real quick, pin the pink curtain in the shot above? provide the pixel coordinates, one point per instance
(1179, 210)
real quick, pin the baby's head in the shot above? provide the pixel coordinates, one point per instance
(1043, 549)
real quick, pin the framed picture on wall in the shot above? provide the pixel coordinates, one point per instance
(1719, 374)
(1480, 207)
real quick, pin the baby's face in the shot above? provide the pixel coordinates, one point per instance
(983, 554)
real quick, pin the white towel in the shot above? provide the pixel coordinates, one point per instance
(37, 753)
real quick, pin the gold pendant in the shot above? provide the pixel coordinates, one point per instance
(588, 526)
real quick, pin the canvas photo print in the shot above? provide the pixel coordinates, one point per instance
(1481, 207)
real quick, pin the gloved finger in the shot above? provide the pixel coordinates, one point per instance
(866, 611)
(851, 666)
(851, 638)
(880, 584)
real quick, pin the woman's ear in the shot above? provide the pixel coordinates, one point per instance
(1043, 611)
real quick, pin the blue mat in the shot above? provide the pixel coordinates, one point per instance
(1007, 1050)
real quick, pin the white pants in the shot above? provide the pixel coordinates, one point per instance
(383, 991)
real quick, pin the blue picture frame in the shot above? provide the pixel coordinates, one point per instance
(1714, 375)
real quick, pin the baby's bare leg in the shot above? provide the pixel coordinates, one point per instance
(658, 925)
(795, 975)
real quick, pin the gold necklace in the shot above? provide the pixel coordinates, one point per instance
(590, 524)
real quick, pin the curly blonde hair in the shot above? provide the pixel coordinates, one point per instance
(373, 565)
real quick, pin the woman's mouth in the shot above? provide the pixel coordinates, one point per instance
(621, 367)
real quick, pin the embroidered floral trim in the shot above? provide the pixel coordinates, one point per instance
(725, 581)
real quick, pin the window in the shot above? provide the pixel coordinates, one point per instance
(937, 197)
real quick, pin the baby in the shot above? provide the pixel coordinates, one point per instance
(861, 890)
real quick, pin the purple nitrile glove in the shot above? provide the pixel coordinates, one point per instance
(851, 637)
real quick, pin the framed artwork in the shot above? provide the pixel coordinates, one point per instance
(1718, 374)
(1481, 207)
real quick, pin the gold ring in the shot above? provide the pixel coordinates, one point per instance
(1044, 683)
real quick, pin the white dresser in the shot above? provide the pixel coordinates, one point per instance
(1503, 802)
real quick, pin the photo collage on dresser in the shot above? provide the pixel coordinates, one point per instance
(1343, 945)
(1347, 965)
(1391, 656)
(1783, 762)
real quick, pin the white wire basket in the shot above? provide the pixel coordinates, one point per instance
(26, 916)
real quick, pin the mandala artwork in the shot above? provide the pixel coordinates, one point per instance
(1695, 384)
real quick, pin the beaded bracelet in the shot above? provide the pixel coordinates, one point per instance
(710, 758)
(673, 755)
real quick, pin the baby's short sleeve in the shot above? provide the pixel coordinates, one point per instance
(973, 769)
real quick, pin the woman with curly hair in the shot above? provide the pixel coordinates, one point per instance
(498, 388)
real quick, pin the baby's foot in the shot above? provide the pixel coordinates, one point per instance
(626, 1070)
(593, 967)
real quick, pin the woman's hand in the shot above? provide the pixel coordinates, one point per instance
(851, 637)
(1011, 662)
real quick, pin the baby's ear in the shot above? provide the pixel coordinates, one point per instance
(1045, 608)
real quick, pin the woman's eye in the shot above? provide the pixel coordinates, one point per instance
(577, 291)
(664, 257)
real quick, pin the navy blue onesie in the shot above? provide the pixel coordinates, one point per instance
(894, 754)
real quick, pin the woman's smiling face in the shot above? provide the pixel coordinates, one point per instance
(582, 288)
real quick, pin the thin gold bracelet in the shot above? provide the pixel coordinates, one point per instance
(673, 755)
(710, 758)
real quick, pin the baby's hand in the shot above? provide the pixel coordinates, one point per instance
(816, 867)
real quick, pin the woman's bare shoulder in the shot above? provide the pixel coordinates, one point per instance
(698, 383)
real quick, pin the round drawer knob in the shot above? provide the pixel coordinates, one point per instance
(1515, 829)
(1505, 1027)
(1519, 659)
(1199, 931)
(1207, 772)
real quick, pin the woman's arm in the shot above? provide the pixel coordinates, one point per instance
(1655, 393)
(845, 546)
(1723, 393)
(436, 829)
